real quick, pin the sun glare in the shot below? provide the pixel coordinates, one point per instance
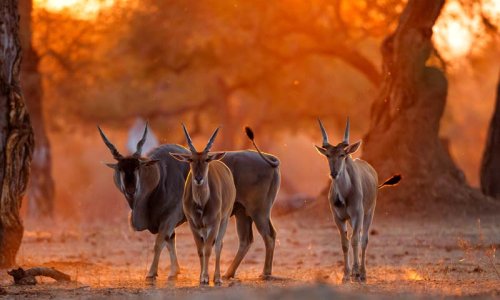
(459, 32)
(452, 32)
(83, 9)
(455, 38)
(491, 8)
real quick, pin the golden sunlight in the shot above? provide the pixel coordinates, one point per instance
(491, 9)
(458, 32)
(458, 38)
(453, 34)
(413, 275)
(82, 9)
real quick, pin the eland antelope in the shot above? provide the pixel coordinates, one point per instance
(352, 197)
(208, 201)
(153, 187)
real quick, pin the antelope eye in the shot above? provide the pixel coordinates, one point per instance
(207, 160)
(342, 155)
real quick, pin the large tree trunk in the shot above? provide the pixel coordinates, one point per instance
(404, 126)
(16, 139)
(41, 185)
(490, 166)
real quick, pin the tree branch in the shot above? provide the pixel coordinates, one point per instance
(27, 277)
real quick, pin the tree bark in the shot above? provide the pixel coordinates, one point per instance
(490, 165)
(404, 128)
(41, 185)
(16, 139)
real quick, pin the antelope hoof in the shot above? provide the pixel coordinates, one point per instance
(362, 274)
(356, 277)
(204, 280)
(266, 277)
(355, 272)
(346, 279)
(218, 281)
(174, 273)
(228, 276)
(269, 277)
(151, 278)
(172, 277)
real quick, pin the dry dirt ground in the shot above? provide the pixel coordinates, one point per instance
(406, 258)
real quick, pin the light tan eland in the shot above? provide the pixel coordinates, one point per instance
(352, 197)
(209, 195)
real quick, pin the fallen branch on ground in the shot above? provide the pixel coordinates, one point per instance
(27, 277)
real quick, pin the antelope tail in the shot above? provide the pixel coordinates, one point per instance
(395, 179)
(251, 136)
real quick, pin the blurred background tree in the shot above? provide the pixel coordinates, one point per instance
(219, 61)
(405, 118)
(41, 185)
(490, 164)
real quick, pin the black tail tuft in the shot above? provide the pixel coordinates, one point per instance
(272, 163)
(249, 132)
(392, 181)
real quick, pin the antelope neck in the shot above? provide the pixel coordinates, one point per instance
(201, 193)
(343, 182)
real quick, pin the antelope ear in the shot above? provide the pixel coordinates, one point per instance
(150, 162)
(320, 150)
(216, 155)
(181, 156)
(112, 166)
(352, 147)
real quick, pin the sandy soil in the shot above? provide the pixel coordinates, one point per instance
(408, 258)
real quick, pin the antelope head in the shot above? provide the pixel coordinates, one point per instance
(128, 169)
(336, 155)
(199, 160)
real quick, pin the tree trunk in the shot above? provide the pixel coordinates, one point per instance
(16, 139)
(490, 166)
(41, 185)
(404, 128)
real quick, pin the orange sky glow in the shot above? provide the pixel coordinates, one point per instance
(459, 32)
(82, 9)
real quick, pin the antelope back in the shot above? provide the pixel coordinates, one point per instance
(221, 184)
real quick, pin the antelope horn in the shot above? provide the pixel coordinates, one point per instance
(346, 133)
(112, 148)
(141, 142)
(188, 139)
(323, 133)
(212, 139)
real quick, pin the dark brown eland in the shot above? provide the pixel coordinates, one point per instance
(352, 197)
(153, 187)
(257, 178)
(157, 204)
(208, 201)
